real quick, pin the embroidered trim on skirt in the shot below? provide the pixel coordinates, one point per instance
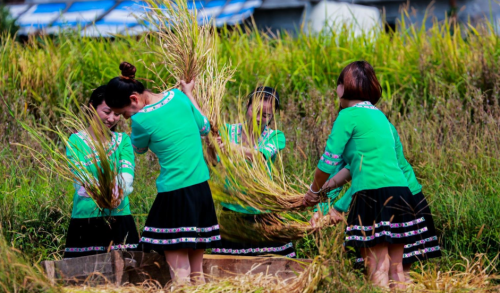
(428, 247)
(422, 249)
(182, 218)
(88, 236)
(228, 247)
(390, 215)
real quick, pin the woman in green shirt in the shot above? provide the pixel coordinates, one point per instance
(423, 249)
(182, 222)
(266, 101)
(381, 219)
(92, 231)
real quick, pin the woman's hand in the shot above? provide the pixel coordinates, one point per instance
(220, 143)
(187, 88)
(116, 190)
(336, 216)
(82, 192)
(314, 220)
(310, 199)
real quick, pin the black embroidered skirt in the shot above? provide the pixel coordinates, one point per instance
(182, 218)
(386, 215)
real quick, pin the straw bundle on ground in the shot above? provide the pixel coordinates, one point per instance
(104, 188)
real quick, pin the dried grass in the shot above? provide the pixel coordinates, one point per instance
(16, 275)
(477, 274)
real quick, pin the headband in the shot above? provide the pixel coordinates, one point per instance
(266, 92)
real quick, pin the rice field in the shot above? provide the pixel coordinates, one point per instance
(441, 89)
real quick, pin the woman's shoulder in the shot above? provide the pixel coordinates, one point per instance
(122, 135)
(78, 137)
(269, 132)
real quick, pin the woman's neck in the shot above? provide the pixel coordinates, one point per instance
(90, 130)
(351, 103)
(150, 98)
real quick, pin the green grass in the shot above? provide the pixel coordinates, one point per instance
(441, 91)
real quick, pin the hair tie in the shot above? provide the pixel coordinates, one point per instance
(128, 77)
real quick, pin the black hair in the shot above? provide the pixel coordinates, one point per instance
(96, 99)
(267, 94)
(119, 89)
(360, 82)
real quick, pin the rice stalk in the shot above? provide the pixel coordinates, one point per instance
(104, 188)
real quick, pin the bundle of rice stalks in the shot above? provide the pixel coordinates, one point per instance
(187, 48)
(104, 186)
(257, 183)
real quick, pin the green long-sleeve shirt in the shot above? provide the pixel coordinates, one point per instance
(172, 129)
(362, 138)
(415, 187)
(121, 155)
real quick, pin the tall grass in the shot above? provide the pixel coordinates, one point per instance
(17, 275)
(440, 90)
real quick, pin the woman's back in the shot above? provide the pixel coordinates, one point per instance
(171, 128)
(362, 136)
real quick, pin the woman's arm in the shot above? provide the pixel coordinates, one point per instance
(249, 153)
(126, 165)
(140, 138)
(320, 179)
(187, 89)
(341, 133)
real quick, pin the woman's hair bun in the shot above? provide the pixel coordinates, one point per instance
(128, 70)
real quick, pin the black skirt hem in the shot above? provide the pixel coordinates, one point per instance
(90, 236)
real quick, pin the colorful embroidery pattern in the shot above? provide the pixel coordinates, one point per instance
(421, 251)
(206, 127)
(181, 229)
(253, 250)
(331, 159)
(166, 99)
(271, 148)
(181, 240)
(100, 248)
(420, 242)
(365, 105)
(127, 163)
(386, 233)
(389, 224)
(140, 150)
